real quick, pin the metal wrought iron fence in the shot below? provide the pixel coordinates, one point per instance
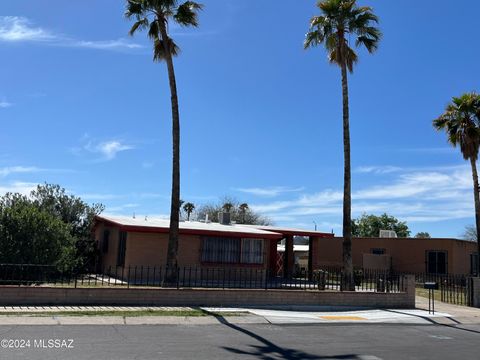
(453, 288)
(331, 279)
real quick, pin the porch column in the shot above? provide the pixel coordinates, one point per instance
(288, 260)
(310, 258)
(272, 257)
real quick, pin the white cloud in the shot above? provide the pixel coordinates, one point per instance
(415, 195)
(99, 197)
(107, 150)
(377, 169)
(269, 191)
(107, 44)
(17, 28)
(431, 150)
(20, 29)
(122, 208)
(5, 104)
(18, 187)
(110, 149)
(18, 169)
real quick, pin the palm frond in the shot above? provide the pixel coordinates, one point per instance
(153, 30)
(159, 53)
(338, 19)
(187, 13)
(461, 122)
(370, 44)
(134, 8)
(155, 15)
(313, 38)
(139, 25)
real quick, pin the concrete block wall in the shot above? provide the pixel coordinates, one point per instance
(12, 295)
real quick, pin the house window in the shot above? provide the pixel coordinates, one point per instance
(378, 251)
(473, 263)
(252, 251)
(106, 237)
(221, 250)
(436, 262)
(232, 250)
(122, 248)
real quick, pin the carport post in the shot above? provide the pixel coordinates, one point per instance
(310, 257)
(288, 260)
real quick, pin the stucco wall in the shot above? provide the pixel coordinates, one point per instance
(408, 254)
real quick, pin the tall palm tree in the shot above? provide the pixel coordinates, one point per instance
(242, 208)
(227, 207)
(188, 208)
(339, 21)
(155, 15)
(461, 122)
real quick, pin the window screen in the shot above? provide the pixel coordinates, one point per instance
(122, 248)
(252, 251)
(221, 250)
(436, 262)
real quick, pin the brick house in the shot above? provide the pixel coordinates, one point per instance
(126, 242)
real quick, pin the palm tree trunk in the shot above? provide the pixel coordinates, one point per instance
(477, 208)
(172, 261)
(347, 189)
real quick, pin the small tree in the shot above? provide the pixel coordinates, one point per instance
(31, 235)
(239, 212)
(422, 235)
(370, 226)
(470, 233)
(74, 212)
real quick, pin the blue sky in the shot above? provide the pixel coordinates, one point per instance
(83, 105)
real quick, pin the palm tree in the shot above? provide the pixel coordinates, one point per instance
(340, 20)
(242, 208)
(227, 207)
(188, 208)
(155, 15)
(461, 122)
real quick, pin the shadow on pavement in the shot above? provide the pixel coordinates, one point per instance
(430, 320)
(271, 351)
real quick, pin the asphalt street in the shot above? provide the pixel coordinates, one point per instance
(241, 341)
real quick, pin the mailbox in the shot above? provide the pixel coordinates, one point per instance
(431, 285)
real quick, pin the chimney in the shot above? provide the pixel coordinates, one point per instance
(224, 218)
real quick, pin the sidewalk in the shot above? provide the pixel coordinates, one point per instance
(460, 314)
(445, 314)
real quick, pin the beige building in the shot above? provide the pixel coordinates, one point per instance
(417, 255)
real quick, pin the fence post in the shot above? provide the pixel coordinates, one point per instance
(409, 281)
(128, 279)
(266, 278)
(178, 278)
(476, 291)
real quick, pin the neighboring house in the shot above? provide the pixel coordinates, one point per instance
(125, 242)
(417, 255)
(300, 255)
